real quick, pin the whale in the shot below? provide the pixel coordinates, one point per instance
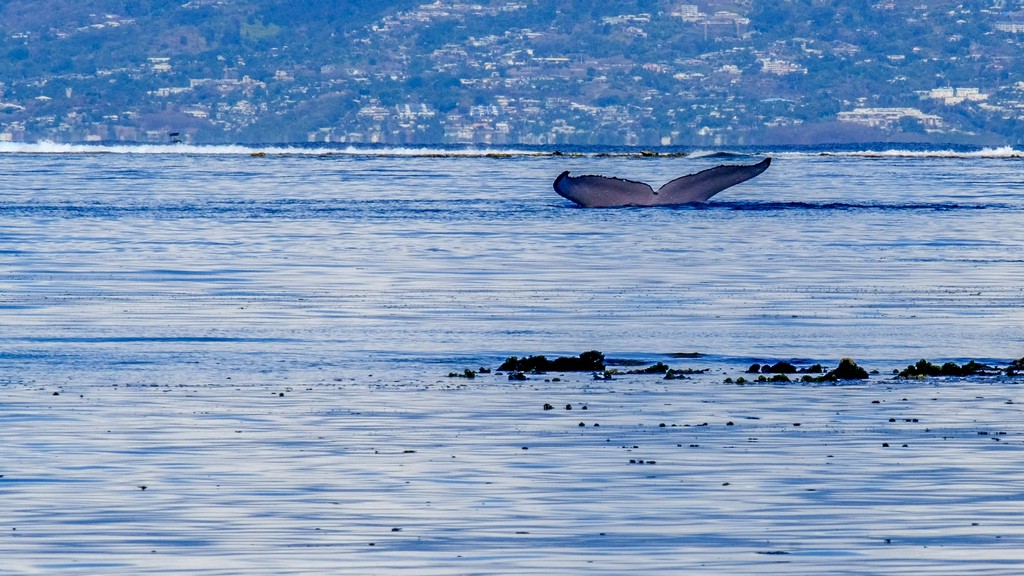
(590, 191)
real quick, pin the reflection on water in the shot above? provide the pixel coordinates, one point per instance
(366, 475)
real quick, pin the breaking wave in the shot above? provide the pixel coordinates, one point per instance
(471, 151)
(440, 151)
(967, 153)
(253, 150)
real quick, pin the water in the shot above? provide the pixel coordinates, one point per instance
(262, 341)
(293, 260)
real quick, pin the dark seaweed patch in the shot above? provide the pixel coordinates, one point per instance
(591, 361)
(924, 369)
(847, 370)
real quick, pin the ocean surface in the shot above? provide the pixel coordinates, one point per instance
(234, 360)
(165, 259)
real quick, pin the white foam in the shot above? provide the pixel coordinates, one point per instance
(47, 147)
(998, 152)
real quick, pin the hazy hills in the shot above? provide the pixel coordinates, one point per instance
(512, 71)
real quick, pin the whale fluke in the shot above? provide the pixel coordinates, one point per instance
(604, 192)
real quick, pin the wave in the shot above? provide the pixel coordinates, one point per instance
(46, 147)
(439, 151)
(256, 150)
(453, 151)
(471, 151)
(391, 210)
(838, 206)
(992, 152)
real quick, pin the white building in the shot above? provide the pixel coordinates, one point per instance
(888, 117)
(688, 12)
(953, 96)
(781, 67)
(160, 64)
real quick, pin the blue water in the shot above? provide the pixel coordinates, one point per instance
(170, 264)
(218, 363)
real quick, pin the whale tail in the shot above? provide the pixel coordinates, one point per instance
(700, 187)
(604, 192)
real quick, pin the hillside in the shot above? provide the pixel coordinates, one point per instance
(640, 72)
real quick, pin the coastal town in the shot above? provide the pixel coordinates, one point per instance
(533, 72)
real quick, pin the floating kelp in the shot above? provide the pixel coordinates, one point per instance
(662, 368)
(847, 370)
(784, 368)
(779, 368)
(591, 361)
(1015, 367)
(659, 368)
(925, 369)
(682, 373)
(467, 373)
(813, 369)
